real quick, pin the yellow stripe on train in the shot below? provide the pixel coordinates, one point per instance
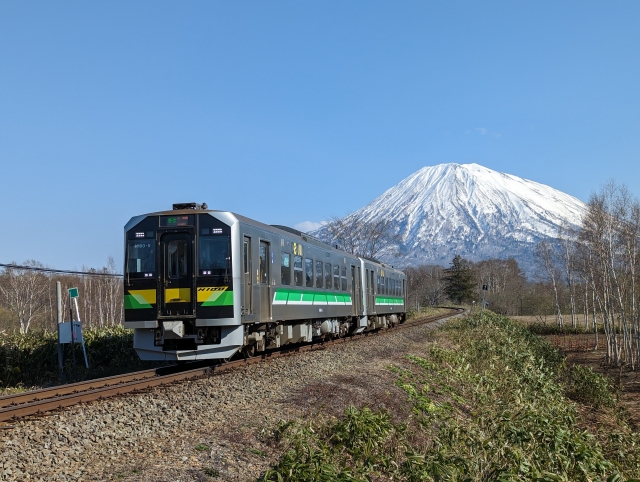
(177, 295)
(210, 293)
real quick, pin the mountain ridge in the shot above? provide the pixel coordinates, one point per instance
(467, 209)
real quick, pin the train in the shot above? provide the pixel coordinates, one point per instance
(202, 284)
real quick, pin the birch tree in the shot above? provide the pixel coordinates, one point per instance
(356, 235)
(546, 257)
(24, 293)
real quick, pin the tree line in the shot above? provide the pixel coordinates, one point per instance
(28, 297)
(595, 268)
(508, 293)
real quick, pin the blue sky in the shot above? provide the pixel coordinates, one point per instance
(295, 111)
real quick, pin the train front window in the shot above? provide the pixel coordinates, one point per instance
(141, 256)
(177, 251)
(214, 257)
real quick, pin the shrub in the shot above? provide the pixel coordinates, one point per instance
(32, 359)
(590, 388)
(492, 408)
(554, 329)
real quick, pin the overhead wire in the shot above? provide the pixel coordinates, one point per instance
(61, 271)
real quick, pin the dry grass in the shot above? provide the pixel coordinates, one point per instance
(550, 319)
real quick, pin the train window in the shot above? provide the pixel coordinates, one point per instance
(308, 272)
(246, 257)
(285, 269)
(336, 277)
(372, 286)
(297, 270)
(177, 261)
(213, 255)
(327, 276)
(263, 274)
(378, 285)
(319, 274)
(141, 256)
(343, 278)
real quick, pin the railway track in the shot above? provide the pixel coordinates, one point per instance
(38, 402)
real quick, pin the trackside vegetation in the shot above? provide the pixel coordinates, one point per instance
(31, 359)
(489, 401)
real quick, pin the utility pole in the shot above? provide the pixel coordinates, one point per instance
(61, 374)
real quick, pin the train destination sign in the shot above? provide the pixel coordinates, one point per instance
(173, 221)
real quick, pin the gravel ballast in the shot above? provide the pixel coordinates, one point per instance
(213, 428)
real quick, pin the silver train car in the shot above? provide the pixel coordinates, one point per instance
(204, 284)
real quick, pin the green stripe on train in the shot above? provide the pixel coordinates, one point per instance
(384, 300)
(300, 297)
(225, 299)
(135, 302)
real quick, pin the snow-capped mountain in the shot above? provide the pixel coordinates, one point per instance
(467, 209)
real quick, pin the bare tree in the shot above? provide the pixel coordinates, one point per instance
(24, 293)
(566, 238)
(425, 286)
(506, 284)
(367, 238)
(610, 242)
(28, 297)
(546, 257)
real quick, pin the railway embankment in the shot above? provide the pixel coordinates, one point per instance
(485, 400)
(212, 427)
(480, 398)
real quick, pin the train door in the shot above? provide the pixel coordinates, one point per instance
(247, 302)
(372, 292)
(366, 291)
(404, 295)
(177, 267)
(356, 291)
(264, 276)
(359, 292)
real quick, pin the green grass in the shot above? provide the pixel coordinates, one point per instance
(489, 402)
(257, 452)
(211, 472)
(424, 312)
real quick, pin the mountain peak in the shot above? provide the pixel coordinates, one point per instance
(468, 209)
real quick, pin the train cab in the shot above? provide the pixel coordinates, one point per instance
(179, 283)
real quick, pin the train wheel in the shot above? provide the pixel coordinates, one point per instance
(249, 350)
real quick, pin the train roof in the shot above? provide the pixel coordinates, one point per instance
(191, 208)
(284, 230)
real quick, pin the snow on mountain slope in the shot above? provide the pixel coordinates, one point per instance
(467, 209)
